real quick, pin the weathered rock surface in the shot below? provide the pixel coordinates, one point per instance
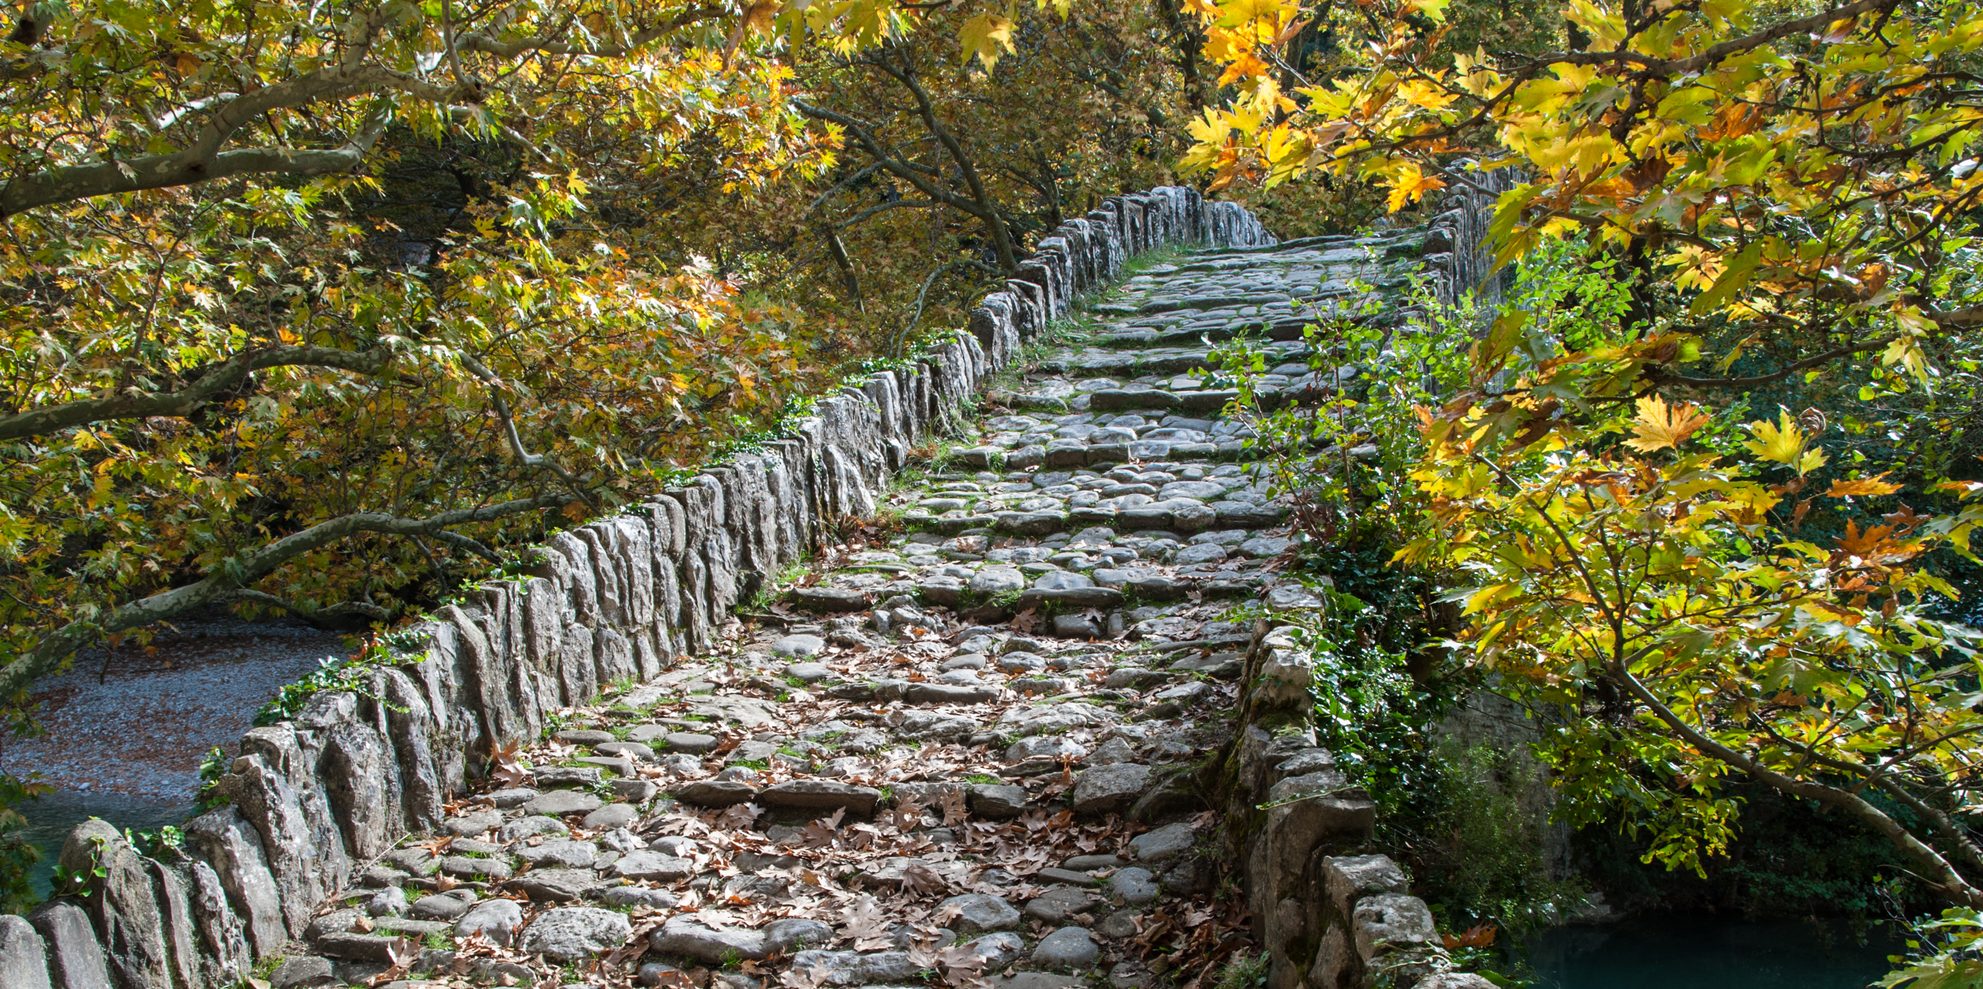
(570, 934)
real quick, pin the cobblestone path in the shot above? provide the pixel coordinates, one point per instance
(961, 750)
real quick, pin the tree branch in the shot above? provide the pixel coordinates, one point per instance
(1942, 874)
(523, 454)
(316, 616)
(208, 382)
(887, 159)
(203, 158)
(1008, 255)
(226, 580)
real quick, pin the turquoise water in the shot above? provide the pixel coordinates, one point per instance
(1705, 952)
(52, 817)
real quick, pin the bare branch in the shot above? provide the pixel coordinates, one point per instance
(522, 454)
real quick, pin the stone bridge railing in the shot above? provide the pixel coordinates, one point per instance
(1330, 913)
(312, 800)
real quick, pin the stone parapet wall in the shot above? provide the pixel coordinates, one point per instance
(1456, 252)
(1333, 912)
(311, 801)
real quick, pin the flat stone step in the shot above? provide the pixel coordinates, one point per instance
(1404, 243)
(1104, 362)
(1141, 337)
(1126, 590)
(1195, 517)
(1266, 290)
(1166, 394)
(1075, 453)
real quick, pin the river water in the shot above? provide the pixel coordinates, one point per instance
(125, 729)
(1706, 952)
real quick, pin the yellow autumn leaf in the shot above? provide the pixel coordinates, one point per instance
(1434, 10)
(1242, 68)
(1263, 19)
(1409, 184)
(1783, 442)
(986, 36)
(1420, 93)
(1776, 443)
(1660, 426)
(1604, 22)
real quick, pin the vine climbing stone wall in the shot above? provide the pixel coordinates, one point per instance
(309, 801)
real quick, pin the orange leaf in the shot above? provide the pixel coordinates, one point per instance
(1868, 543)
(1863, 486)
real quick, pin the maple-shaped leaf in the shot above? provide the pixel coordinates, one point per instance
(1660, 426)
(962, 966)
(1874, 543)
(906, 815)
(805, 976)
(920, 878)
(1026, 621)
(671, 978)
(1433, 10)
(986, 36)
(739, 815)
(954, 809)
(401, 954)
(1783, 442)
(865, 925)
(1477, 936)
(821, 833)
(757, 18)
(507, 765)
(439, 845)
(1862, 487)
(1409, 184)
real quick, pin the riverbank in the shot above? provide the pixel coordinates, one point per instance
(124, 730)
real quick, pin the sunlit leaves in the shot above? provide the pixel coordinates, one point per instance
(1661, 426)
(1781, 181)
(605, 348)
(986, 36)
(1862, 487)
(1949, 958)
(1691, 596)
(1668, 575)
(1784, 442)
(1409, 185)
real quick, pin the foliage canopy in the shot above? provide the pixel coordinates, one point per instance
(1709, 505)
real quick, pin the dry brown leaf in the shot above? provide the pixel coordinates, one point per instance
(401, 954)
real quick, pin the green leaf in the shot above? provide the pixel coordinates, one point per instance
(1734, 275)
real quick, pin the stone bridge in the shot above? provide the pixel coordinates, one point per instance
(998, 704)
